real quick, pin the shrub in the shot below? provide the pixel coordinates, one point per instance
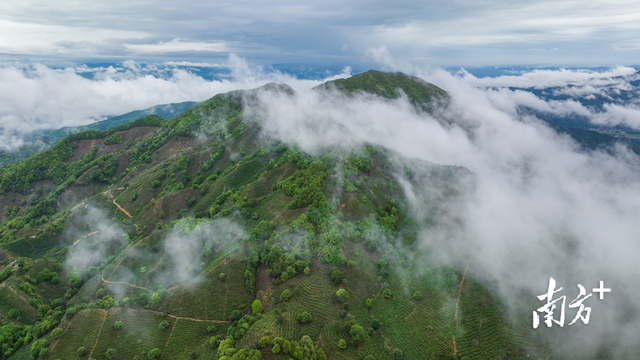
(114, 138)
(286, 295)
(70, 312)
(155, 184)
(368, 303)
(275, 349)
(375, 324)
(235, 315)
(14, 313)
(417, 296)
(57, 333)
(111, 353)
(342, 294)
(82, 351)
(336, 277)
(397, 354)
(256, 307)
(264, 342)
(154, 353)
(163, 325)
(357, 334)
(222, 277)
(307, 270)
(161, 214)
(342, 344)
(304, 317)
(350, 263)
(117, 325)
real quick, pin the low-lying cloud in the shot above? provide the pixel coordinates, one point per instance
(539, 207)
(38, 97)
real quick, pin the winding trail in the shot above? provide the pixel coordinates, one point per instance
(122, 209)
(414, 310)
(455, 317)
(99, 331)
(186, 318)
(170, 335)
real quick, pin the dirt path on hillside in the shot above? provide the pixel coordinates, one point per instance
(170, 335)
(15, 292)
(455, 317)
(120, 262)
(99, 331)
(56, 341)
(122, 209)
(185, 318)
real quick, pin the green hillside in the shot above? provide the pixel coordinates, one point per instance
(40, 140)
(197, 238)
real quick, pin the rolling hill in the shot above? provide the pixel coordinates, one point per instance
(197, 237)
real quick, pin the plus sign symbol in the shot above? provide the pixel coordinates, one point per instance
(602, 290)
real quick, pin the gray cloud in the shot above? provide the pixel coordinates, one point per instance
(440, 32)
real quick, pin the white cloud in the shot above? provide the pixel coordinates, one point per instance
(177, 45)
(38, 97)
(541, 79)
(538, 207)
(614, 114)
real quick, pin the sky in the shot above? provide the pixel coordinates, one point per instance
(436, 33)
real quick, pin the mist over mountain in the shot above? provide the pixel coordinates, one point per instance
(380, 215)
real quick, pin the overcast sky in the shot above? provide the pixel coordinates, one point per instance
(433, 32)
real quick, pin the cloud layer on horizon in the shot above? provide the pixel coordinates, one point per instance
(38, 97)
(434, 32)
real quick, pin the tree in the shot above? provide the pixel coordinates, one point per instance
(342, 344)
(357, 334)
(111, 353)
(286, 295)
(75, 281)
(304, 317)
(342, 294)
(256, 307)
(14, 313)
(336, 277)
(397, 354)
(320, 354)
(264, 342)
(57, 333)
(375, 324)
(275, 349)
(115, 138)
(117, 325)
(417, 296)
(82, 351)
(163, 325)
(307, 270)
(368, 303)
(154, 353)
(235, 315)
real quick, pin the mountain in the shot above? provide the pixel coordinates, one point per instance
(199, 237)
(40, 140)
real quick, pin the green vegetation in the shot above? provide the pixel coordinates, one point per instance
(115, 138)
(205, 242)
